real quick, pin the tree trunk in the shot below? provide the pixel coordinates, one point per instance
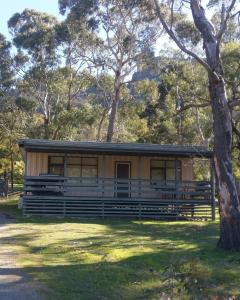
(228, 198)
(111, 124)
(46, 128)
(69, 102)
(100, 124)
(222, 128)
(112, 119)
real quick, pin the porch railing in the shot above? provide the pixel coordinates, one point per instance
(92, 197)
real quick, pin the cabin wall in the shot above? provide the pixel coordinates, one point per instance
(187, 169)
(37, 163)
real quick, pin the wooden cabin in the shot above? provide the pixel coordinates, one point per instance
(91, 179)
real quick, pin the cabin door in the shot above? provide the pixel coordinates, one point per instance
(123, 172)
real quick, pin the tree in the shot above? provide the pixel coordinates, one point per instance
(53, 83)
(176, 102)
(34, 37)
(8, 122)
(34, 33)
(13, 121)
(74, 42)
(125, 30)
(222, 121)
(6, 68)
(100, 94)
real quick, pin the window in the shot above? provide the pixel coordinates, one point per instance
(56, 165)
(82, 166)
(75, 166)
(89, 167)
(165, 170)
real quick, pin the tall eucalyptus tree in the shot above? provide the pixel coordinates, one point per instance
(222, 120)
(124, 29)
(33, 35)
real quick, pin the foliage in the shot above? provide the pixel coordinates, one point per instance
(174, 104)
(62, 81)
(187, 32)
(6, 69)
(33, 31)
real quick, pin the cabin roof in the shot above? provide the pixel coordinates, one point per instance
(40, 145)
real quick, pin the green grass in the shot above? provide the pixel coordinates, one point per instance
(9, 205)
(125, 259)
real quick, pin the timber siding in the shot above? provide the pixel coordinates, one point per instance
(37, 163)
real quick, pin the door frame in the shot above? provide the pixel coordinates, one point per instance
(124, 163)
(129, 177)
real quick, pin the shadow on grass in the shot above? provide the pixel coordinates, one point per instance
(137, 277)
(151, 248)
(198, 233)
(9, 206)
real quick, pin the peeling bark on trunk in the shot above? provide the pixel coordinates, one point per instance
(46, 128)
(112, 118)
(69, 102)
(100, 125)
(222, 127)
(228, 202)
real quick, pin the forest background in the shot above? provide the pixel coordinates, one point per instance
(112, 77)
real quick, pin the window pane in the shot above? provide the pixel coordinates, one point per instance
(89, 161)
(56, 160)
(158, 174)
(74, 160)
(157, 163)
(56, 170)
(170, 164)
(73, 171)
(89, 171)
(170, 174)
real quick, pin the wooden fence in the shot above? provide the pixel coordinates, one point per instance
(109, 197)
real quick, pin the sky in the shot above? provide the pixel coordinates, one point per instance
(10, 7)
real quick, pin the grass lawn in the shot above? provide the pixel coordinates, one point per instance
(124, 259)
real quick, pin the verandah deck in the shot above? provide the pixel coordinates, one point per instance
(109, 197)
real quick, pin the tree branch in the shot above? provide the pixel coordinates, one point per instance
(234, 15)
(186, 107)
(178, 43)
(225, 15)
(234, 103)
